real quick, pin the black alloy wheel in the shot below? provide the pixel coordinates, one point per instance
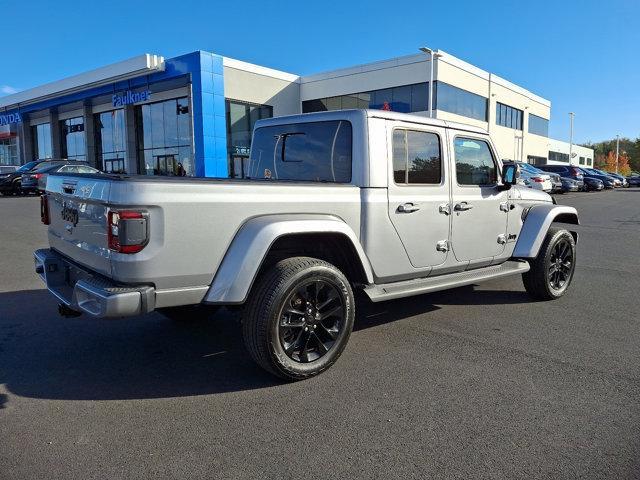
(560, 264)
(298, 317)
(551, 272)
(311, 320)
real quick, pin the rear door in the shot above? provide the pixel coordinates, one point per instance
(479, 217)
(418, 192)
(78, 216)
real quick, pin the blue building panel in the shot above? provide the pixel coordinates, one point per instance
(208, 105)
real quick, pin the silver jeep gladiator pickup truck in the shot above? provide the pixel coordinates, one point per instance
(392, 204)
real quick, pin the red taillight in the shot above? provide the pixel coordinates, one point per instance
(126, 231)
(537, 179)
(38, 176)
(44, 209)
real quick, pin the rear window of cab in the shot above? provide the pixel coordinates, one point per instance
(307, 151)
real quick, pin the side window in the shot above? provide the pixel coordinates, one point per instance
(416, 157)
(68, 169)
(474, 162)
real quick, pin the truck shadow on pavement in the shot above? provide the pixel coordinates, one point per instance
(43, 355)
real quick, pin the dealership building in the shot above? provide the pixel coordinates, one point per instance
(195, 113)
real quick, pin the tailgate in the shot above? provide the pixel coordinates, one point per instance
(78, 216)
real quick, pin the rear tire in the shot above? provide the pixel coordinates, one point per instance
(552, 270)
(298, 318)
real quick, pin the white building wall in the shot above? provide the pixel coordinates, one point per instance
(580, 153)
(264, 86)
(511, 143)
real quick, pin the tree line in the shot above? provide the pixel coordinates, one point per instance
(605, 155)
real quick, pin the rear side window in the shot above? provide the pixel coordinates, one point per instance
(474, 162)
(313, 151)
(416, 157)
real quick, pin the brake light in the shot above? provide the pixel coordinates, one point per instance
(537, 179)
(37, 176)
(44, 209)
(127, 231)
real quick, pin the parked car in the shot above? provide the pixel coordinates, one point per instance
(10, 182)
(634, 181)
(36, 180)
(567, 171)
(625, 182)
(605, 179)
(592, 184)
(534, 178)
(331, 211)
(616, 181)
(569, 185)
(556, 183)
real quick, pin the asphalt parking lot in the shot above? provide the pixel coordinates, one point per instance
(478, 382)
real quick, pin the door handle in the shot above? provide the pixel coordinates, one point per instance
(408, 208)
(462, 207)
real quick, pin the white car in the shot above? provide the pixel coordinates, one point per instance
(534, 178)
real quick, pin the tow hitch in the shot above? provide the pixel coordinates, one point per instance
(67, 312)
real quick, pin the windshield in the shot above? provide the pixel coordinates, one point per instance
(26, 167)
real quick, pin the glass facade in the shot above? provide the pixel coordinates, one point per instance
(41, 135)
(241, 117)
(538, 125)
(558, 157)
(406, 98)
(461, 102)
(534, 160)
(509, 117)
(73, 139)
(164, 138)
(8, 147)
(110, 141)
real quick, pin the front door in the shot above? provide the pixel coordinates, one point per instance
(418, 193)
(479, 216)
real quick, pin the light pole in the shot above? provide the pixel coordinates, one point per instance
(432, 56)
(617, 151)
(571, 115)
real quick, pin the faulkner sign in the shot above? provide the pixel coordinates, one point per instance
(129, 98)
(7, 118)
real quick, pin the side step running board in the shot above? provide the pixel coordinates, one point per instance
(389, 291)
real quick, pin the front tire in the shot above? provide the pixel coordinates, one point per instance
(298, 318)
(552, 270)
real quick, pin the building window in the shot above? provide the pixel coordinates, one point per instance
(474, 162)
(534, 160)
(308, 151)
(405, 98)
(589, 162)
(509, 117)
(41, 140)
(241, 117)
(110, 141)
(8, 149)
(538, 125)
(558, 157)
(165, 143)
(581, 161)
(461, 102)
(73, 140)
(416, 157)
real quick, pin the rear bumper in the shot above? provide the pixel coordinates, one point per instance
(88, 292)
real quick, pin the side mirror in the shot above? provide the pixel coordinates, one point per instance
(509, 176)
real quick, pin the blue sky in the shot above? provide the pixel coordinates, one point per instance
(581, 55)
